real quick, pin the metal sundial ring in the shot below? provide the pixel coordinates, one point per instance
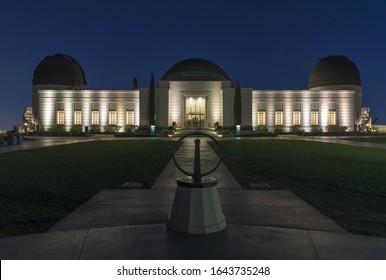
(197, 175)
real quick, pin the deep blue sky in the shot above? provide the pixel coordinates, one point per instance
(264, 44)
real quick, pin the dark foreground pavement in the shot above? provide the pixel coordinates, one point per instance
(131, 224)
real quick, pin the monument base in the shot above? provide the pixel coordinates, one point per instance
(196, 208)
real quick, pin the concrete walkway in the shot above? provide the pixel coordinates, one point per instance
(36, 142)
(41, 142)
(336, 140)
(184, 156)
(130, 224)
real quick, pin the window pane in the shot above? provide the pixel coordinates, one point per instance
(95, 117)
(297, 118)
(112, 117)
(279, 118)
(331, 117)
(261, 118)
(130, 117)
(314, 118)
(60, 117)
(78, 117)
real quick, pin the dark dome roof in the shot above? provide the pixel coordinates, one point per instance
(195, 69)
(59, 69)
(334, 70)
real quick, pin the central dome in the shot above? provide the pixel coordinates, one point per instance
(195, 69)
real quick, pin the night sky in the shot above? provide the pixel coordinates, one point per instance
(263, 44)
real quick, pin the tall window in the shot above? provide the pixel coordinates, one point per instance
(279, 114)
(261, 118)
(331, 117)
(112, 114)
(60, 117)
(279, 118)
(297, 118)
(77, 117)
(60, 113)
(314, 118)
(261, 114)
(130, 114)
(77, 113)
(314, 113)
(112, 117)
(297, 114)
(332, 114)
(95, 117)
(94, 113)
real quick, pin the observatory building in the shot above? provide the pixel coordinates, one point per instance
(197, 93)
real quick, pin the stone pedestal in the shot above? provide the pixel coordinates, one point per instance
(197, 208)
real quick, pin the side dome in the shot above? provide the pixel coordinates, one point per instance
(195, 69)
(334, 70)
(59, 69)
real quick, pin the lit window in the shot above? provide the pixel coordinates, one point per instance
(112, 117)
(261, 118)
(314, 118)
(130, 114)
(331, 117)
(297, 118)
(60, 117)
(279, 118)
(94, 113)
(77, 117)
(95, 117)
(130, 117)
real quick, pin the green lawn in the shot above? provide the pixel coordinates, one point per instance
(346, 183)
(374, 139)
(39, 187)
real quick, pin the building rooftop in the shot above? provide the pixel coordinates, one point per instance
(195, 69)
(59, 69)
(334, 70)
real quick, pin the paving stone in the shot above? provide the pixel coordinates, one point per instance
(341, 246)
(48, 246)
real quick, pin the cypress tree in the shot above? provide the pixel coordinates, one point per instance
(152, 101)
(237, 104)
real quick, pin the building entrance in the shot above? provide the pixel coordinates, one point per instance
(195, 112)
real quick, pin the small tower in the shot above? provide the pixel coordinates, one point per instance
(135, 83)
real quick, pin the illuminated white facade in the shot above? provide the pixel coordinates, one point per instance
(196, 93)
(190, 103)
(87, 108)
(305, 108)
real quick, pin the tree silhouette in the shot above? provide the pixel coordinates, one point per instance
(237, 104)
(152, 101)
